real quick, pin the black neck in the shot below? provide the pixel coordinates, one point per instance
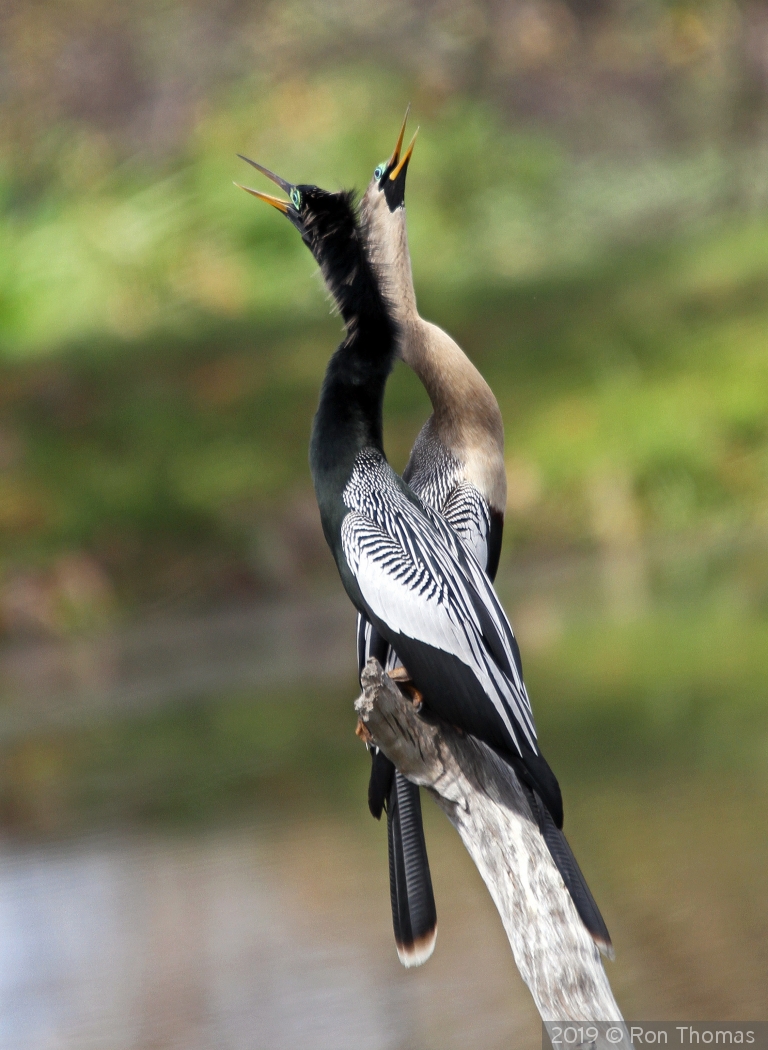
(332, 233)
(349, 416)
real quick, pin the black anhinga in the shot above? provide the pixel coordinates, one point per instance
(403, 566)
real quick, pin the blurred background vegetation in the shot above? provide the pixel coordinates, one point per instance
(588, 215)
(586, 209)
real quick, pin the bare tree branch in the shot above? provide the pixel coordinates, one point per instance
(482, 798)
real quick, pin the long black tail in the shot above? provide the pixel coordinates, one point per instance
(575, 883)
(414, 916)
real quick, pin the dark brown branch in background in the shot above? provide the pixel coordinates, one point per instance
(482, 798)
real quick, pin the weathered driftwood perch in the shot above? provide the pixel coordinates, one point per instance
(482, 798)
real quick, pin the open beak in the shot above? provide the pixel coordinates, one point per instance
(274, 201)
(399, 144)
(406, 156)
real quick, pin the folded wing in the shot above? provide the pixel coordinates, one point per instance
(418, 577)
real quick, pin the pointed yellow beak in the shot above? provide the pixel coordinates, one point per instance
(405, 158)
(274, 201)
(399, 144)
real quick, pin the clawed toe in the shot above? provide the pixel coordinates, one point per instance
(363, 732)
(405, 682)
(399, 674)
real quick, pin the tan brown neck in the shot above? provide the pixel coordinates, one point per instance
(394, 262)
(467, 419)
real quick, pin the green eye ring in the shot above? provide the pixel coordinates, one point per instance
(296, 199)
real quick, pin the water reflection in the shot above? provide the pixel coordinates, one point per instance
(278, 936)
(249, 938)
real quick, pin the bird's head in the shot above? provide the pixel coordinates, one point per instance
(328, 226)
(382, 213)
(321, 217)
(387, 187)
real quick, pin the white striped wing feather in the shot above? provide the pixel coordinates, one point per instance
(420, 579)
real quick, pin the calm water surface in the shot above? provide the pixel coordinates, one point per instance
(278, 937)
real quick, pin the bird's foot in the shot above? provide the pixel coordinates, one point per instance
(399, 674)
(363, 732)
(404, 680)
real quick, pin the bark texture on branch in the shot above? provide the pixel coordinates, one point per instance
(482, 798)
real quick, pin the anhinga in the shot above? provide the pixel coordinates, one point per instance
(457, 462)
(406, 570)
(457, 468)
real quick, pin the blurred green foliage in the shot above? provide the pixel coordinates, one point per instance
(163, 336)
(173, 453)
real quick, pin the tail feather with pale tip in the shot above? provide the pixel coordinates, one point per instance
(575, 883)
(414, 916)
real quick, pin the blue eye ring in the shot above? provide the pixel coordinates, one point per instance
(378, 173)
(296, 199)
(380, 170)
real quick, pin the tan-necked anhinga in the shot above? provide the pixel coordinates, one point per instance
(406, 570)
(457, 467)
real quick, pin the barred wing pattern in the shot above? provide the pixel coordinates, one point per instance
(466, 512)
(437, 477)
(418, 577)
